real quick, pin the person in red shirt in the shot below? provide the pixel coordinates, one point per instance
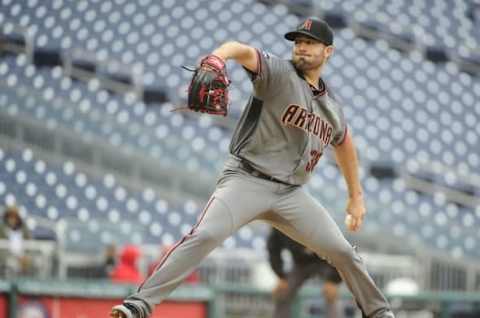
(126, 270)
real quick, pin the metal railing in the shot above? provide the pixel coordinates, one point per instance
(41, 257)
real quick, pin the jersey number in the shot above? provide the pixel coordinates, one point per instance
(314, 158)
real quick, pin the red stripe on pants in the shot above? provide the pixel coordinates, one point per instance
(165, 257)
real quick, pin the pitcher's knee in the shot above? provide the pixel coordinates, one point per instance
(342, 256)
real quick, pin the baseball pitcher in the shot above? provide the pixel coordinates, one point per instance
(290, 119)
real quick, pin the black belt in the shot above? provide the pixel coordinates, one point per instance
(254, 172)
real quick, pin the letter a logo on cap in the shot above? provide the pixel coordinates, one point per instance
(307, 25)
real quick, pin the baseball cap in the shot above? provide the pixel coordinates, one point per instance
(314, 28)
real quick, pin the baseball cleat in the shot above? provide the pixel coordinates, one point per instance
(117, 314)
(121, 311)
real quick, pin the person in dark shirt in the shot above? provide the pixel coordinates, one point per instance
(110, 260)
(306, 264)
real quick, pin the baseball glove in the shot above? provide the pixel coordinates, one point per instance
(208, 90)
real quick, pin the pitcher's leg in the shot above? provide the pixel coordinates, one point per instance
(212, 228)
(237, 200)
(306, 221)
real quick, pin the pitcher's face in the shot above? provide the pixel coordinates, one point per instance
(309, 53)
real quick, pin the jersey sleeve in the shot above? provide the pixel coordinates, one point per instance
(339, 138)
(271, 73)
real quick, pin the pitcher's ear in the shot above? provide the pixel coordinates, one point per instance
(329, 50)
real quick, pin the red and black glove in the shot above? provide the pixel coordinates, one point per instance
(208, 90)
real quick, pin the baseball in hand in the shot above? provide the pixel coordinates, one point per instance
(348, 221)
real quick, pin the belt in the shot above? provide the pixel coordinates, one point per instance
(254, 172)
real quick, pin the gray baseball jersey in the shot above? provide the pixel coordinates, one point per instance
(282, 135)
(286, 126)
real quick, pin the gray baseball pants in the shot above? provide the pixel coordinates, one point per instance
(240, 198)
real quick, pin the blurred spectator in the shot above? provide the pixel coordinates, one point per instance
(110, 260)
(473, 11)
(193, 278)
(126, 271)
(306, 264)
(15, 232)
